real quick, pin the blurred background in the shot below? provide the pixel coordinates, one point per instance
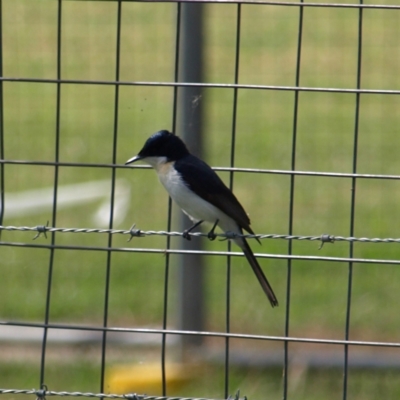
(264, 124)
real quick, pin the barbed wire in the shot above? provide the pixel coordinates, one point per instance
(133, 232)
(42, 393)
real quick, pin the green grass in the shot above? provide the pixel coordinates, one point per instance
(325, 140)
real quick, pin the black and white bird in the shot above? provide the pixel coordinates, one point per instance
(200, 193)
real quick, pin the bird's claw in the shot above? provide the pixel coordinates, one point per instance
(211, 235)
(185, 235)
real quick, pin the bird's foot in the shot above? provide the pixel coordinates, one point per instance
(185, 234)
(211, 235)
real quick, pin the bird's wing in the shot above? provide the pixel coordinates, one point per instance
(202, 180)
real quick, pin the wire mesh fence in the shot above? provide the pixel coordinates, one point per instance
(299, 104)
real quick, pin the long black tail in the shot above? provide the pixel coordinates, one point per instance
(259, 273)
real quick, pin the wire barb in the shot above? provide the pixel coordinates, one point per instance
(237, 396)
(133, 396)
(134, 233)
(326, 239)
(229, 235)
(41, 393)
(41, 229)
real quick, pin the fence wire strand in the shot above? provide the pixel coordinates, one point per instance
(209, 334)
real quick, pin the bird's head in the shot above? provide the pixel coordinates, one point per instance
(163, 146)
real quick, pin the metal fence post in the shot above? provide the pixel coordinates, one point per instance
(191, 271)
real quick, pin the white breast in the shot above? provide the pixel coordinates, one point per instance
(193, 205)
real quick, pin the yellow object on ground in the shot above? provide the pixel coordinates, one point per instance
(146, 378)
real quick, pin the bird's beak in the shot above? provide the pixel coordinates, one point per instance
(133, 159)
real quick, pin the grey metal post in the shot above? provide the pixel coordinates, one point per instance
(191, 271)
